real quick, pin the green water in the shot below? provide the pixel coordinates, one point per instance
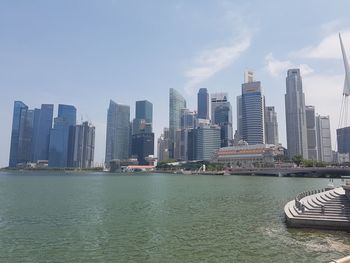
(52, 217)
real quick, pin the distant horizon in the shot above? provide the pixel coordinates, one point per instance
(85, 54)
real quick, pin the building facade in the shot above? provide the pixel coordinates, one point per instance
(118, 132)
(82, 145)
(176, 103)
(217, 99)
(59, 136)
(310, 116)
(253, 107)
(271, 126)
(163, 146)
(295, 115)
(208, 140)
(203, 104)
(343, 140)
(223, 118)
(324, 143)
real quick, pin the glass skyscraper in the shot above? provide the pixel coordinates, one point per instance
(144, 110)
(176, 103)
(310, 116)
(41, 140)
(118, 132)
(253, 107)
(59, 136)
(295, 115)
(223, 118)
(19, 108)
(203, 104)
(217, 99)
(271, 126)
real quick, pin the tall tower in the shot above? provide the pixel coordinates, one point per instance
(295, 115)
(176, 103)
(253, 111)
(118, 127)
(217, 99)
(310, 116)
(271, 125)
(203, 104)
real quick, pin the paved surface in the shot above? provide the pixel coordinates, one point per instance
(325, 210)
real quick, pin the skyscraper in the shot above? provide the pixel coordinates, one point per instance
(217, 99)
(239, 117)
(343, 140)
(295, 115)
(324, 144)
(208, 140)
(142, 135)
(82, 145)
(24, 153)
(271, 126)
(59, 136)
(223, 118)
(253, 107)
(163, 146)
(19, 108)
(117, 134)
(203, 104)
(42, 132)
(311, 132)
(176, 103)
(187, 122)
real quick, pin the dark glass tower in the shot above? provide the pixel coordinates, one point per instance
(59, 136)
(142, 135)
(223, 118)
(19, 108)
(203, 104)
(42, 132)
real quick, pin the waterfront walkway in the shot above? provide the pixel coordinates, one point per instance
(319, 209)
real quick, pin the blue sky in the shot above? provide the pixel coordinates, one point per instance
(85, 53)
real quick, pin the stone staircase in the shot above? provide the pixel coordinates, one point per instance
(319, 209)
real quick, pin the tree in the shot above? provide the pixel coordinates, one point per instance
(297, 159)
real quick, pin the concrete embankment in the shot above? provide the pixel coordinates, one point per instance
(319, 209)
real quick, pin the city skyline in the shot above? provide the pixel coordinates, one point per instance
(38, 66)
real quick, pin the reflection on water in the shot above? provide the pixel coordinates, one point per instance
(157, 218)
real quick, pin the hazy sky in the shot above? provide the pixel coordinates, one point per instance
(85, 53)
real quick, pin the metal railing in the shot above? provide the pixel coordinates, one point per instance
(301, 195)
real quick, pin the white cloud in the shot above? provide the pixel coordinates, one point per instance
(211, 61)
(328, 48)
(278, 67)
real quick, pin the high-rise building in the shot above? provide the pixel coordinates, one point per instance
(19, 108)
(271, 126)
(142, 146)
(142, 135)
(203, 104)
(24, 153)
(163, 146)
(208, 140)
(35, 136)
(343, 140)
(82, 145)
(187, 122)
(41, 139)
(253, 107)
(223, 118)
(311, 132)
(117, 134)
(59, 136)
(217, 99)
(176, 103)
(295, 115)
(324, 144)
(239, 117)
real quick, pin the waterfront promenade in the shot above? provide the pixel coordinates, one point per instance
(335, 172)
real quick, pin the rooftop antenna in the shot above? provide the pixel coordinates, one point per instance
(346, 91)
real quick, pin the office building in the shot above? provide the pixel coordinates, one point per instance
(117, 133)
(343, 140)
(253, 107)
(208, 140)
(43, 125)
(223, 118)
(19, 109)
(59, 136)
(311, 132)
(271, 126)
(324, 143)
(203, 104)
(176, 103)
(295, 115)
(217, 99)
(163, 146)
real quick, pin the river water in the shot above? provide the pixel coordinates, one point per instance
(91, 217)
